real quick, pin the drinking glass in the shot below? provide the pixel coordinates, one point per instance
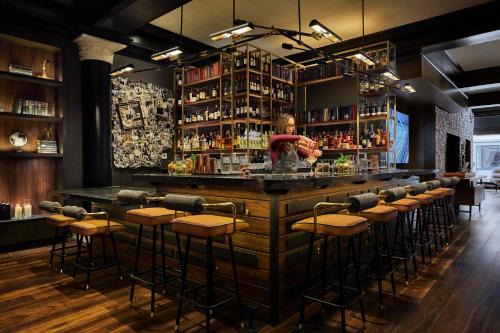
(311, 159)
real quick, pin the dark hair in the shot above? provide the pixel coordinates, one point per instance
(282, 123)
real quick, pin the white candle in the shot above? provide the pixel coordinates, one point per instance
(18, 212)
(27, 210)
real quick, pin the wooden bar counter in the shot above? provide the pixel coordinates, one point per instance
(271, 258)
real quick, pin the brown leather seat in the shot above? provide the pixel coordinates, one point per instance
(404, 205)
(95, 227)
(446, 190)
(380, 213)
(59, 220)
(333, 224)
(151, 216)
(423, 199)
(206, 225)
(435, 194)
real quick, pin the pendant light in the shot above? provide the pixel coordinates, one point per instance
(122, 70)
(360, 55)
(174, 52)
(234, 31)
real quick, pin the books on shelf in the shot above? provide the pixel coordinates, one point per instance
(32, 107)
(46, 147)
(203, 73)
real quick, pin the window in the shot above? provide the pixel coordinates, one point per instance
(487, 153)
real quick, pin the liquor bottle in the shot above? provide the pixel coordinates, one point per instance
(179, 79)
(228, 141)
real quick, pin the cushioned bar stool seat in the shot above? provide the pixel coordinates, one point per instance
(423, 199)
(151, 217)
(337, 227)
(333, 224)
(89, 226)
(95, 227)
(205, 226)
(404, 205)
(59, 222)
(380, 213)
(436, 195)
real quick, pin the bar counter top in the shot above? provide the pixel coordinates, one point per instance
(278, 182)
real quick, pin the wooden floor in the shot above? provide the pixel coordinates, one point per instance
(458, 292)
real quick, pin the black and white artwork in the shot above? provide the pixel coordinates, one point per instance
(142, 123)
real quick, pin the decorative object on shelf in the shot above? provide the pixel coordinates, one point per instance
(342, 164)
(130, 115)
(18, 139)
(47, 144)
(44, 69)
(1, 107)
(27, 210)
(18, 212)
(5, 211)
(20, 69)
(147, 105)
(32, 107)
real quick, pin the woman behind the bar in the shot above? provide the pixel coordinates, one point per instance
(285, 147)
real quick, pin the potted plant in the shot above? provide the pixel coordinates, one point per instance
(342, 164)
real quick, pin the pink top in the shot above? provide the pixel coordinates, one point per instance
(276, 145)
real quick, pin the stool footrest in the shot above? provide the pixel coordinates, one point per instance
(347, 302)
(158, 272)
(231, 297)
(109, 264)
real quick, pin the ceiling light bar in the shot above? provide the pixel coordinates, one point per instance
(407, 88)
(324, 31)
(361, 56)
(232, 32)
(121, 70)
(170, 54)
(390, 75)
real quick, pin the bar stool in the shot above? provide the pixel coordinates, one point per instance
(151, 217)
(422, 235)
(440, 205)
(379, 216)
(447, 185)
(396, 197)
(206, 227)
(90, 225)
(338, 226)
(58, 221)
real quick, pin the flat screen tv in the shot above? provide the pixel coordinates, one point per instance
(401, 147)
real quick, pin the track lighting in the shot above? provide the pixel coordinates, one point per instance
(323, 31)
(121, 70)
(407, 88)
(390, 75)
(232, 32)
(170, 54)
(361, 56)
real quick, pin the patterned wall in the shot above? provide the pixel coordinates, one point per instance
(142, 122)
(459, 124)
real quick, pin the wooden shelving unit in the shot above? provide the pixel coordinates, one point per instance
(29, 175)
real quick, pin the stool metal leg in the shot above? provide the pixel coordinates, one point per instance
(117, 258)
(210, 283)
(401, 225)
(389, 258)
(153, 271)
(341, 285)
(54, 241)
(179, 250)
(79, 241)
(306, 282)
(136, 262)
(103, 244)
(63, 249)
(377, 263)
(90, 260)
(358, 282)
(323, 272)
(183, 280)
(236, 282)
(163, 265)
(409, 221)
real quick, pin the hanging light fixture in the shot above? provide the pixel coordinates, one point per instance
(361, 55)
(390, 75)
(323, 31)
(407, 88)
(122, 70)
(174, 52)
(237, 30)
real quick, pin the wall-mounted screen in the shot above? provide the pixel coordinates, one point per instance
(401, 147)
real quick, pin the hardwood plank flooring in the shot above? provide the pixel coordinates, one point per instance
(457, 292)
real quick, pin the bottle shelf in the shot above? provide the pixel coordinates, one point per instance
(372, 94)
(30, 79)
(30, 117)
(242, 70)
(340, 150)
(282, 101)
(205, 101)
(373, 150)
(318, 81)
(210, 123)
(327, 123)
(275, 78)
(15, 154)
(243, 94)
(194, 83)
(373, 118)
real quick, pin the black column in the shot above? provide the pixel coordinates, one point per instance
(96, 123)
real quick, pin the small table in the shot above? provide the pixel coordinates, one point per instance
(494, 181)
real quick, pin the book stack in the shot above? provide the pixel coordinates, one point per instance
(19, 69)
(203, 73)
(26, 106)
(46, 147)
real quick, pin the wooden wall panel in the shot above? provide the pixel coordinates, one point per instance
(10, 91)
(27, 180)
(27, 56)
(33, 129)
